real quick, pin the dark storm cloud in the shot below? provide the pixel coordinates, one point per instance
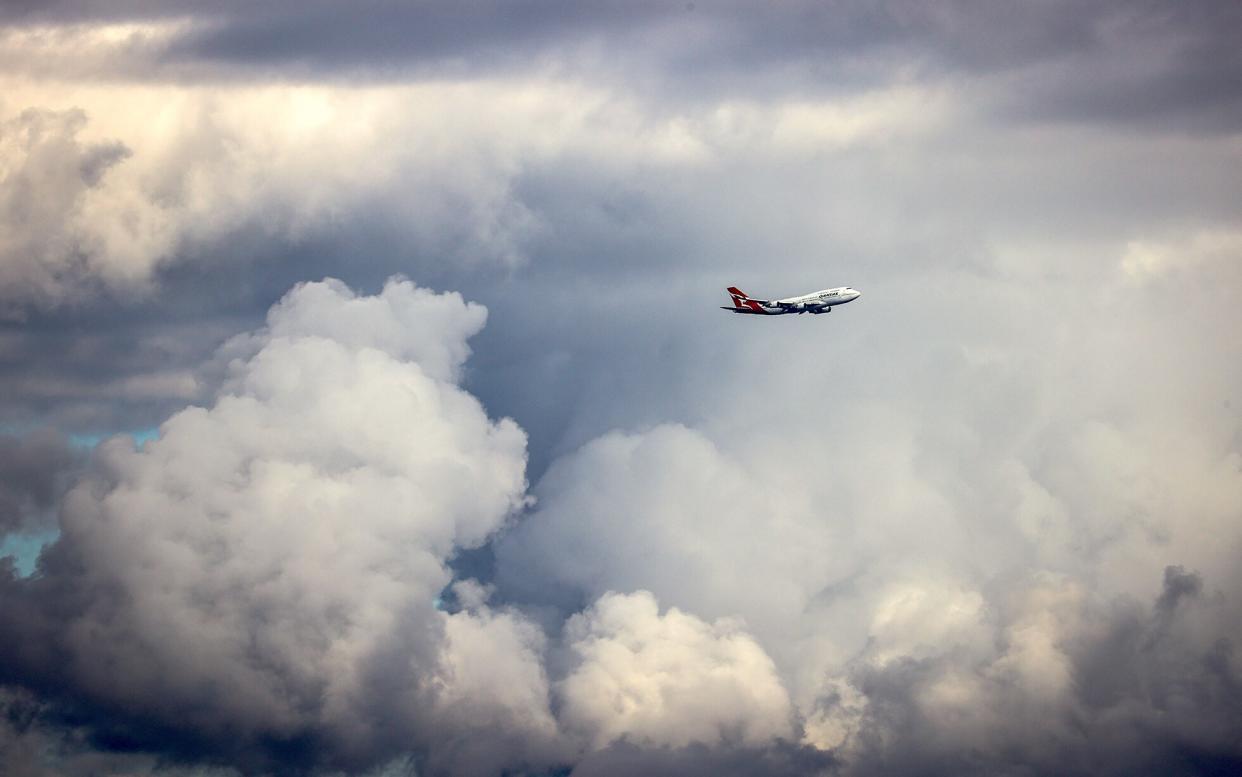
(723, 36)
(1168, 65)
(39, 738)
(34, 473)
(105, 365)
(1178, 585)
(1162, 66)
(100, 374)
(1101, 55)
(780, 760)
(470, 35)
(1156, 690)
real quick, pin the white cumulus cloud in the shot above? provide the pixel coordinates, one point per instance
(267, 567)
(669, 680)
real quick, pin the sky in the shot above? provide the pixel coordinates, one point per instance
(366, 407)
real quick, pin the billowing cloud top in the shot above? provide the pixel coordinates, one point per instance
(256, 569)
(669, 680)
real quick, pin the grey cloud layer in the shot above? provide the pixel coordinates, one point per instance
(35, 470)
(1159, 63)
(983, 520)
(1151, 689)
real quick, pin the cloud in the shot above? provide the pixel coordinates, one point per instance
(263, 573)
(200, 170)
(86, 50)
(405, 322)
(926, 569)
(34, 473)
(235, 189)
(259, 583)
(46, 180)
(1161, 65)
(119, 191)
(668, 511)
(494, 701)
(984, 520)
(37, 741)
(669, 680)
(780, 759)
(1149, 261)
(1077, 687)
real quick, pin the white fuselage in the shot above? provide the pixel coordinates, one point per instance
(816, 302)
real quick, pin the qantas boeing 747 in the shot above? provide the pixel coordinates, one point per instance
(816, 302)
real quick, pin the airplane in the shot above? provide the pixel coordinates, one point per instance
(816, 302)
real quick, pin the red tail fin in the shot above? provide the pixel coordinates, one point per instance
(738, 295)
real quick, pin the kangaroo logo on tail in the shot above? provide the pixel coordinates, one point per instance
(740, 300)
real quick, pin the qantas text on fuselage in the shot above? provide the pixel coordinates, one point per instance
(815, 302)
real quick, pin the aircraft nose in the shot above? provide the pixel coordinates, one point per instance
(856, 294)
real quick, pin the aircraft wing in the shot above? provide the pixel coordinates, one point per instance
(801, 307)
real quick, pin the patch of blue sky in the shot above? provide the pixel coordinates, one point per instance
(24, 549)
(91, 440)
(84, 440)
